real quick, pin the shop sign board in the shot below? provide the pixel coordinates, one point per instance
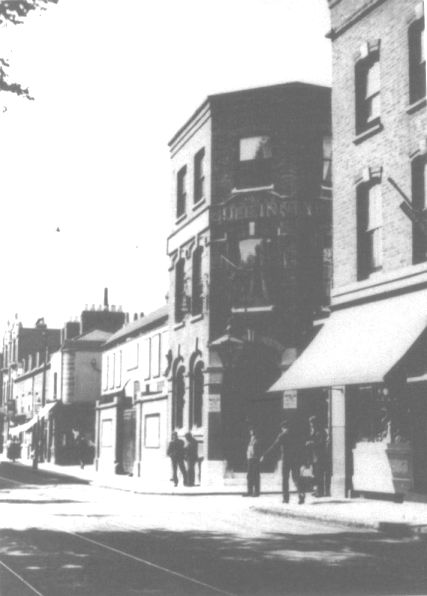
(290, 399)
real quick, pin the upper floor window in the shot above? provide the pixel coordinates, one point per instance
(255, 158)
(419, 182)
(181, 191)
(327, 161)
(368, 97)
(180, 298)
(197, 283)
(369, 228)
(199, 175)
(417, 61)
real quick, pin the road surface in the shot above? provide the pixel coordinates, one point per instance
(62, 537)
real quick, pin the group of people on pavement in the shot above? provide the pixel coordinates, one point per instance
(303, 455)
(184, 457)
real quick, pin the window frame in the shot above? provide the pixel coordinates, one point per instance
(181, 192)
(179, 290)
(363, 67)
(417, 60)
(256, 172)
(370, 254)
(197, 282)
(199, 176)
(419, 204)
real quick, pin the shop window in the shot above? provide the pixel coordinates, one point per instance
(419, 235)
(178, 399)
(199, 176)
(180, 295)
(369, 228)
(417, 61)
(327, 161)
(181, 191)
(255, 162)
(368, 96)
(197, 283)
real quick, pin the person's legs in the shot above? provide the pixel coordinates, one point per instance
(190, 473)
(299, 485)
(285, 481)
(174, 471)
(183, 471)
(257, 480)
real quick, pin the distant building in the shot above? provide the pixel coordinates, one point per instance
(132, 426)
(55, 401)
(24, 349)
(250, 260)
(371, 353)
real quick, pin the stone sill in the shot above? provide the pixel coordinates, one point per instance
(366, 134)
(416, 105)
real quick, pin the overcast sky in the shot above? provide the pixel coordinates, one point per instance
(112, 83)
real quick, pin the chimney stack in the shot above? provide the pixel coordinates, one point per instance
(105, 298)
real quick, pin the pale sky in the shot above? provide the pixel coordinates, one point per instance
(113, 81)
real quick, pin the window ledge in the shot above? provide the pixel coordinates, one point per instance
(180, 218)
(179, 325)
(196, 318)
(252, 189)
(199, 204)
(370, 132)
(416, 105)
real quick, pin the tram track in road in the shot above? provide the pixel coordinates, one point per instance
(24, 577)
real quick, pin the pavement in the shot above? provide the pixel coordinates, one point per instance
(397, 519)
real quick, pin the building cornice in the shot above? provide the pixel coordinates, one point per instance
(370, 5)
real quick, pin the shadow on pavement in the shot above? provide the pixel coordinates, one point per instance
(21, 473)
(271, 565)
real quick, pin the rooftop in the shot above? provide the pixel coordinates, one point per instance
(136, 327)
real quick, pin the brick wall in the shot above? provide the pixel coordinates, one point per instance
(389, 149)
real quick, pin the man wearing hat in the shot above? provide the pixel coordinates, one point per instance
(291, 449)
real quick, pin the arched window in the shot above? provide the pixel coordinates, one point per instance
(178, 398)
(196, 394)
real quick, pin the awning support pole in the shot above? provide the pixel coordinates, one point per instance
(338, 432)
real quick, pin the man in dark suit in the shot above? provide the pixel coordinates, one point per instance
(291, 447)
(176, 453)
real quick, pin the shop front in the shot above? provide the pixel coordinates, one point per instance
(371, 357)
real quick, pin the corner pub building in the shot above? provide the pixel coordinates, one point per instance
(371, 353)
(250, 262)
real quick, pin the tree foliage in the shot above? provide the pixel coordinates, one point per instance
(14, 12)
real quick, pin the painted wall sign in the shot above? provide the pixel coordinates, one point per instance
(290, 400)
(253, 207)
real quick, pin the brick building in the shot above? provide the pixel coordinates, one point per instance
(371, 353)
(249, 258)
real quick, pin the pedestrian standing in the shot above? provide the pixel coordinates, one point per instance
(253, 465)
(316, 446)
(191, 456)
(176, 453)
(82, 450)
(290, 444)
